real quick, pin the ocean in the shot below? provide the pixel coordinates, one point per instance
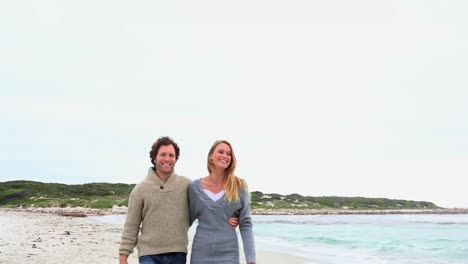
(376, 239)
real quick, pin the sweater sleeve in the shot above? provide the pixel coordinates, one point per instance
(132, 224)
(191, 202)
(246, 228)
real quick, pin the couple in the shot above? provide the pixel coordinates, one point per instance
(165, 204)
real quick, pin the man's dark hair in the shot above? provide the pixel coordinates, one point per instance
(163, 141)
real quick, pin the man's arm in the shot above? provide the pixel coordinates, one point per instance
(131, 226)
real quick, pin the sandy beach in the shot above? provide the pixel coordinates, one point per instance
(50, 238)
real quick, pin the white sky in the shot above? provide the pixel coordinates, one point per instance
(347, 98)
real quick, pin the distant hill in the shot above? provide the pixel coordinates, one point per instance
(105, 195)
(273, 200)
(94, 195)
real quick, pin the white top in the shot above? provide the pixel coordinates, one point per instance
(214, 196)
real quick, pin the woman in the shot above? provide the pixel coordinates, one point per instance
(212, 200)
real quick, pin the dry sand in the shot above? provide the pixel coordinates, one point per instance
(48, 238)
(27, 237)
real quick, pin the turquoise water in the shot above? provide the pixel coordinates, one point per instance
(409, 239)
(415, 239)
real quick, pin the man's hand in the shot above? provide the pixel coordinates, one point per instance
(123, 259)
(233, 222)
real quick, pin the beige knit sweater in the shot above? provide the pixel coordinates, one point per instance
(161, 210)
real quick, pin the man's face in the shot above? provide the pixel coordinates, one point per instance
(165, 159)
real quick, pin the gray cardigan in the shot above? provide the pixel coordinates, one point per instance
(215, 240)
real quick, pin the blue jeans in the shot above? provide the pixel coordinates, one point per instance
(166, 258)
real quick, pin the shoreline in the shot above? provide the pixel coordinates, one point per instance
(357, 212)
(84, 212)
(34, 237)
(38, 237)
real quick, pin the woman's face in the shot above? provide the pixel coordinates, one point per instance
(221, 156)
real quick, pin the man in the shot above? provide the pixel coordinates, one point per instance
(159, 205)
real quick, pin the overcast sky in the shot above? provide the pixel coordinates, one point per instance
(348, 98)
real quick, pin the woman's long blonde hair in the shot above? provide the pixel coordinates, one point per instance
(232, 184)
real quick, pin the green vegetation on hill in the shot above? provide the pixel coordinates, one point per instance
(105, 195)
(273, 200)
(94, 195)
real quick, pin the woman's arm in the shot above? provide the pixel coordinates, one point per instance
(246, 228)
(192, 196)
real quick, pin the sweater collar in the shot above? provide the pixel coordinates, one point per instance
(212, 205)
(156, 180)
